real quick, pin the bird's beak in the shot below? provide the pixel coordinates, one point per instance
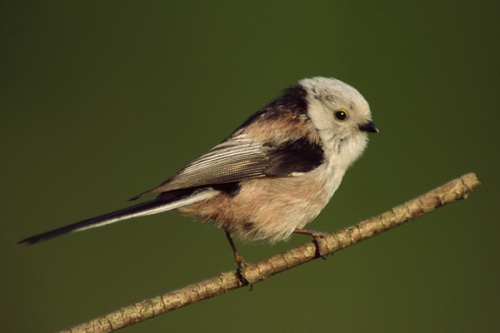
(368, 127)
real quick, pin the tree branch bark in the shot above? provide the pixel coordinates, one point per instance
(455, 190)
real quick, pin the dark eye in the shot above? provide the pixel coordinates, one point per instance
(341, 115)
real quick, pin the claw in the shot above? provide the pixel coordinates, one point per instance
(240, 272)
(318, 238)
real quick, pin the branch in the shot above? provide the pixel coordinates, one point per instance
(455, 190)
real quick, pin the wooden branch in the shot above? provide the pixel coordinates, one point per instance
(149, 308)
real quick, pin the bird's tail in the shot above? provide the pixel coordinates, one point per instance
(142, 209)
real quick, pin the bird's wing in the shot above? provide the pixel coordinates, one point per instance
(240, 158)
(231, 161)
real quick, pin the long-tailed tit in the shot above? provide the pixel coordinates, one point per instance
(272, 175)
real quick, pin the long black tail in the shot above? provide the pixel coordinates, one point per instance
(142, 209)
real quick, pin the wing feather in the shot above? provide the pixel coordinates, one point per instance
(231, 161)
(291, 145)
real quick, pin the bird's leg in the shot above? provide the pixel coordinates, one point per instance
(319, 238)
(240, 272)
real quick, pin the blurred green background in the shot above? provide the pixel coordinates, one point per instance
(103, 100)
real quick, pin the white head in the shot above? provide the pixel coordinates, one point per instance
(341, 116)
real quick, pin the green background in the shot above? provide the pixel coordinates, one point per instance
(103, 100)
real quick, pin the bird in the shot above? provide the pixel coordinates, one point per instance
(271, 176)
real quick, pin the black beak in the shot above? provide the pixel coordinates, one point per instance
(368, 127)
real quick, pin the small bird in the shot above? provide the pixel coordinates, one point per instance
(271, 176)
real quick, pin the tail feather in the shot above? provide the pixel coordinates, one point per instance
(146, 208)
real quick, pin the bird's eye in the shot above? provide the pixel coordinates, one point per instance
(341, 115)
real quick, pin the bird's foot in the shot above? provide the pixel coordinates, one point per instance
(319, 241)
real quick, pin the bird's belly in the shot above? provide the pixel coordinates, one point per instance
(266, 210)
